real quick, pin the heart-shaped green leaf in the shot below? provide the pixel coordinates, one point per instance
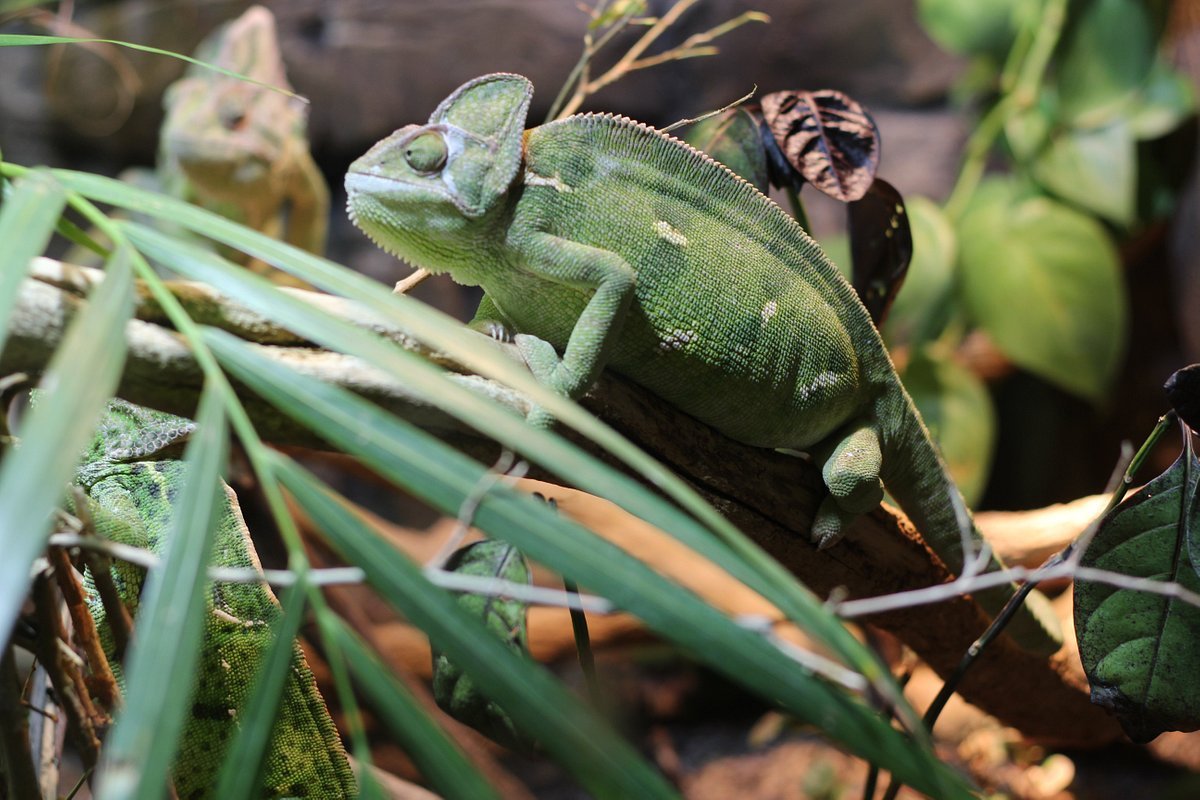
(1093, 168)
(1141, 650)
(1044, 281)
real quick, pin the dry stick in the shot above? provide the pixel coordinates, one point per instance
(406, 285)
(67, 686)
(104, 684)
(16, 757)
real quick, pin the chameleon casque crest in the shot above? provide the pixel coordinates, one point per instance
(618, 246)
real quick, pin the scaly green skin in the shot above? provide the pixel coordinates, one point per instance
(131, 479)
(618, 246)
(240, 149)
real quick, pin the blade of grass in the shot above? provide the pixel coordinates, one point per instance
(436, 756)
(28, 215)
(161, 664)
(81, 377)
(35, 39)
(446, 478)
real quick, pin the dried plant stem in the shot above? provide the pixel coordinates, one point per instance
(64, 673)
(694, 46)
(16, 757)
(103, 685)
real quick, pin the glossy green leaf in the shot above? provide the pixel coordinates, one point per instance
(438, 758)
(969, 27)
(1092, 168)
(505, 618)
(1044, 281)
(1106, 55)
(1167, 99)
(734, 138)
(445, 479)
(921, 304)
(140, 749)
(1140, 650)
(79, 380)
(958, 411)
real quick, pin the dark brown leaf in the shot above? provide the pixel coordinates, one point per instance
(1183, 392)
(880, 247)
(827, 137)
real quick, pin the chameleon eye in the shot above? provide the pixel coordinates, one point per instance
(426, 153)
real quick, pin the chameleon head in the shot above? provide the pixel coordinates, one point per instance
(226, 134)
(414, 192)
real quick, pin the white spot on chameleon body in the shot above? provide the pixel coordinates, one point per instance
(769, 311)
(555, 182)
(823, 380)
(676, 340)
(672, 235)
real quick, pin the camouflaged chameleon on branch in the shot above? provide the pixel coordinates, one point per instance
(238, 148)
(130, 476)
(618, 246)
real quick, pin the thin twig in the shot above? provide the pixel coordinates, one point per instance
(414, 280)
(104, 684)
(14, 721)
(710, 114)
(466, 514)
(68, 684)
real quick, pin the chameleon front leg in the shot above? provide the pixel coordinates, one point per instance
(610, 279)
(851, 472)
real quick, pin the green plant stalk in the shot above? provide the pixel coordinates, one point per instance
(583, 644)
(1023, 95)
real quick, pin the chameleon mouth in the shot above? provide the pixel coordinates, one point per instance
(363, 223)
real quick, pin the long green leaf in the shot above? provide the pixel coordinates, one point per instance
(571, 732)
(445, 479)
(33, 39)
(749, 563)
(437, 757)
(80, 378)
(161, 665)
(28, 215)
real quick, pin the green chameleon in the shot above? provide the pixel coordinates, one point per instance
(240, 149)
(601, 238)
(130, 475)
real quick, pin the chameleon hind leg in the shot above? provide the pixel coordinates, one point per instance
(851, 473)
